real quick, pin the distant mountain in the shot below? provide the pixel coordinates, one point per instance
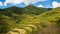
(26, 10)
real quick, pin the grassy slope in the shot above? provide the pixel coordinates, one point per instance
(37, 20)
(51, 18)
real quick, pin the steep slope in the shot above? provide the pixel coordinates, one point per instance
(52, 20)
(51, 16)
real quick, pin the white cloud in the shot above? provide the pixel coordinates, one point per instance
(34, 1)
(55, 4)
(27, 2)
(12, 2)
(40, 6)
(43, 0)
(1, 3)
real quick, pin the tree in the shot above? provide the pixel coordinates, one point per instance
(31, 9)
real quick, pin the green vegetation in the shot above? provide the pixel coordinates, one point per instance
(4, 27)
(30, 20)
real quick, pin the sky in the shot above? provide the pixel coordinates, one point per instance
(23, 3)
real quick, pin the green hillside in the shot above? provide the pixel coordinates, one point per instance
(30, 20)
(51, 16)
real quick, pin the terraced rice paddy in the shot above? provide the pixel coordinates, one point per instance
(35, 29)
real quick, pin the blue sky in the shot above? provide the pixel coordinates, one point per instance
(23, 3)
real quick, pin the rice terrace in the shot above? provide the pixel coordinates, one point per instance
(29, 19)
